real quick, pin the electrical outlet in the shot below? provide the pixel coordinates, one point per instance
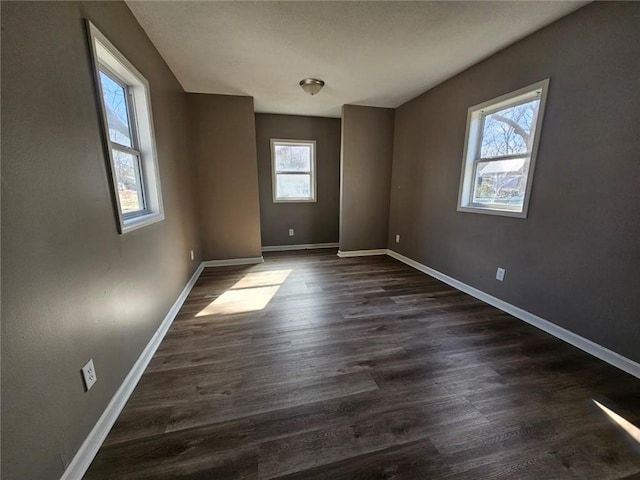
(291, 232)
(89, 375)
(500, 274)
(192, 256)
(397, 238)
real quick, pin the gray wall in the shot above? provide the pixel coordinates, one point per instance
(72, 287)
(312, 222)
(576, 259)
(224, 148)
(367, 149)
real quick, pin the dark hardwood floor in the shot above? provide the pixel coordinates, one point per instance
(364, 368)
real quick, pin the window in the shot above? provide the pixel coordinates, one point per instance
(125, 109)
(500, 152)
(293, 164)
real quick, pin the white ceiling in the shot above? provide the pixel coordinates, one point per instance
(368, 53)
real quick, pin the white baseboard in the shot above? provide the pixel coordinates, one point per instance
(598, 351)
(233, 261)
(361, 253)
(300, 246)
(89, 448)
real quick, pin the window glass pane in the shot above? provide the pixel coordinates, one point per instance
(114, 96)
(293, 186)
(128, 180)
(501, 183)
(293, 158)
(509, 131)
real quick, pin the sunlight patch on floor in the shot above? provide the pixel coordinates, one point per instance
(251, 293)
(626, 425)
(262, 279)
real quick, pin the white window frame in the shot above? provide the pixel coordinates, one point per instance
(473, 142)
(107, 58)
(312, 172)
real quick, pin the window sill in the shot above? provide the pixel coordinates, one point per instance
(296, 200)
(492, 211)
(135, 223)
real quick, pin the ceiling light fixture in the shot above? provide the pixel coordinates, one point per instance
(311, 85)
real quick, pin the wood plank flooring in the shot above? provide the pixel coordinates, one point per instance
(314, 367)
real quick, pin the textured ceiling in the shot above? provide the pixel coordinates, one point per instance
(368, 53)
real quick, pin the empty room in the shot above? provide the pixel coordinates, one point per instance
(320, 240)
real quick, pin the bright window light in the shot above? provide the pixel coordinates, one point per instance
(293, 165)
(500, 152)
(127, 120)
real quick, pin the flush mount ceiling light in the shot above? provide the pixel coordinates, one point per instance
(311, 85)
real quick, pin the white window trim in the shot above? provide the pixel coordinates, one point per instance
(103, 52)
(472, 141)
(278, 141)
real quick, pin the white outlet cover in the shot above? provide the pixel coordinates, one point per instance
(291, 232)
(397, 238)
(192, 255)
(500, 274)
(89, 375)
